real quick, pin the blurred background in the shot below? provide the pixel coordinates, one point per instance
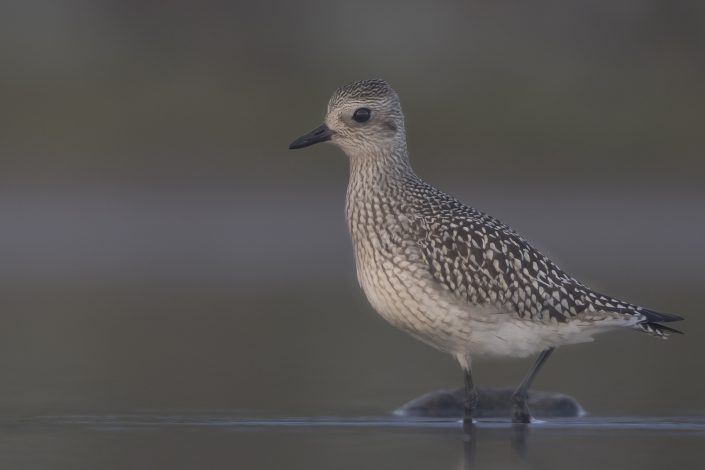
(161, 249)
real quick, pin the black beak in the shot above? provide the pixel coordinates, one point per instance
(319, 134)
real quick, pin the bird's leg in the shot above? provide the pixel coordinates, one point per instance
(470, 401)
(520, 409)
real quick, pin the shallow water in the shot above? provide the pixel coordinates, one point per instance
(228, 441)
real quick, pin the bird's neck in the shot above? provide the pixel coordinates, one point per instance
(377, 184)
(379, 168)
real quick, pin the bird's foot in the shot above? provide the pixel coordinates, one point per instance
(520, 409)
(468, 417)
(468, 424)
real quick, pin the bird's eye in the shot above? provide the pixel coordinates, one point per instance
(362, 115)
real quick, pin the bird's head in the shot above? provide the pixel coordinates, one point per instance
(363, 117)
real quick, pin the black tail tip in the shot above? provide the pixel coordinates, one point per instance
(659, 317)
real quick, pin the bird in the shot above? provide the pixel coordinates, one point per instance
(450, 275)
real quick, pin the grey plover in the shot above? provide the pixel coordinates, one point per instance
(447, 274)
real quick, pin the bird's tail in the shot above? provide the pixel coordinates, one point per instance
(652, 323)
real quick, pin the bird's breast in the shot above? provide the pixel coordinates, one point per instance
(396, 280)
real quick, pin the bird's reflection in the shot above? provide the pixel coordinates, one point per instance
(469, 444)
(517, 435)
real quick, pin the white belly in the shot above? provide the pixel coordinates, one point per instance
(410, 300)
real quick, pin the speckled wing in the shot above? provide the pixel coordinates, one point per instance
(486, 263)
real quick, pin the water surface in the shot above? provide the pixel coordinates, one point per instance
(228, 441)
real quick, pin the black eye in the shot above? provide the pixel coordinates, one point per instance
(362, 115)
